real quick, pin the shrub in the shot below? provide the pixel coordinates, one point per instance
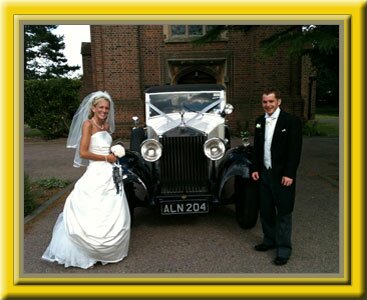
(52, 182)
(310, 128)
(29, 201)
(49, 105)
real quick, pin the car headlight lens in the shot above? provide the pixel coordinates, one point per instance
(214, 148)
(151, 150)
(228, 109)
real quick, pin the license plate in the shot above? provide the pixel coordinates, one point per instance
(184, 207)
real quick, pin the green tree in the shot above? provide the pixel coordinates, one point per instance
(49, 105)
(43, 53)
(321, 44)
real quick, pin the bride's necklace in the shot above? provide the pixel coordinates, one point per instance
(95, 123)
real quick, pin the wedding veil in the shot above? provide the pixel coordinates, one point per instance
(75, 132)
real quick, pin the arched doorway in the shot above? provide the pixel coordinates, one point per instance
(196, 76)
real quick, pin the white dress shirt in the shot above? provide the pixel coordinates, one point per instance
(270, 122)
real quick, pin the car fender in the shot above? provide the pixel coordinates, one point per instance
(135, 170)
(237, 162)
(128, 177)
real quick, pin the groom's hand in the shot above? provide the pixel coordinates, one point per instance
(286, 181)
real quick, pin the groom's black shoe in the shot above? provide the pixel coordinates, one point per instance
(279, 261)
(263, 247)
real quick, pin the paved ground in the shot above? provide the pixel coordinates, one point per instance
(207, 244)
(49, 158)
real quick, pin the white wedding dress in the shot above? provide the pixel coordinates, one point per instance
(95, 223)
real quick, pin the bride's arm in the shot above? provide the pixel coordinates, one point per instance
(84, 146)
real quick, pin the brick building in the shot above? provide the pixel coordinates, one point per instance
(126, 59)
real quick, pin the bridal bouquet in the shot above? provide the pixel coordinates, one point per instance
(118, 151)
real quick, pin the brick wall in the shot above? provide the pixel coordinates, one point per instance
(87, 79)
(115, 53)
(126, 59)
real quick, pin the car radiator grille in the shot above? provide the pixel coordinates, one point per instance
(184, 167)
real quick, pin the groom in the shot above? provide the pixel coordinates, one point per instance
(277, 152)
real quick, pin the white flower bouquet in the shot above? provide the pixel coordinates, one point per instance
(118, 151)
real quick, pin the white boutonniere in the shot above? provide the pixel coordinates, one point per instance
(258, 125)
(118, 151)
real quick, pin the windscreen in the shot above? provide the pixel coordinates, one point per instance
(166, 103)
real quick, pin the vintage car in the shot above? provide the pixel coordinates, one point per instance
(182, 162)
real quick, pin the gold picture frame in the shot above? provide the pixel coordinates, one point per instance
(350, 14)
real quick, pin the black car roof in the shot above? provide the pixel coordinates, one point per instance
(185, 88)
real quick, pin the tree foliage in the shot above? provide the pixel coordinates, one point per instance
(49, 105)
(321, 44)
(43, 53)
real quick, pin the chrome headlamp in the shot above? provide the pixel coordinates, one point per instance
(214, 148)
(151, 150)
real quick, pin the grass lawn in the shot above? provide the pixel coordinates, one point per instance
(31, 132)
(327, 125)
(326, 122)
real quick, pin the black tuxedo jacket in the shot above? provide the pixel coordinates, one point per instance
(286, 149)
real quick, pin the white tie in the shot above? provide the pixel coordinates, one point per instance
(268, 139)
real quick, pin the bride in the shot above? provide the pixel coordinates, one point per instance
(95, 223)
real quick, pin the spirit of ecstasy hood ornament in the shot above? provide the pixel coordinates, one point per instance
(182, 124)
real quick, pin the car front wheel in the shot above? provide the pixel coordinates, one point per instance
(246, 202)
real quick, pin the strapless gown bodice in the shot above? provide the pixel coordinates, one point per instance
(100, 143)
